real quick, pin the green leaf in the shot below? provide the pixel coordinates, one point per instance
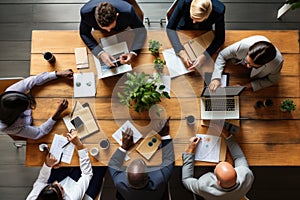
(166, 94)
(161, 87)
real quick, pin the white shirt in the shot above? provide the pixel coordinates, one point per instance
(73, 190)
(22, 126)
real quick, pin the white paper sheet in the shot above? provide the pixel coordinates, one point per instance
(208, 149)
(118, 134)
(174, 63)
(56, 149)
(84, 84)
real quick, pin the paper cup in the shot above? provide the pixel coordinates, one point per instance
(94, 152)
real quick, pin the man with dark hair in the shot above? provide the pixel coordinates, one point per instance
(107, 16)
(76, 183)
(137, 181)
(255, 53)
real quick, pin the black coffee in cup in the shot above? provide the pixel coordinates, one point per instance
(104, 144)
(190, 120)
(49, 57)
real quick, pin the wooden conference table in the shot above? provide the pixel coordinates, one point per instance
(267, 136)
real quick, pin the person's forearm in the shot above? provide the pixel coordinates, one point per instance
(236, 152)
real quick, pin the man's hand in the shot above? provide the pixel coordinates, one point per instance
(164, 128)
(127, 139)
(198, 62)
(63, 105)
(51, 161)
(193, 143)
(185, 59)
(72, 136)
(107, 59)
(214, 84)
(65, 74)
(126, 58)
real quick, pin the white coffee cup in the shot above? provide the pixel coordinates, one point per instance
(104, 144)
(94, 152)
(43, 147)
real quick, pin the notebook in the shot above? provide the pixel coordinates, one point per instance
(81, 58)
(90, 124)
(150, 144)
(115, 50)
(222, 104)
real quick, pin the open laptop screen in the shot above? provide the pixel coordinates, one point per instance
(223, 91)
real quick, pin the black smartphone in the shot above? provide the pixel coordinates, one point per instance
(117, 63)
(77, 122)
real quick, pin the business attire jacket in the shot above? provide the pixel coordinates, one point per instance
(158, 176)
(264, 76)
(207, 185)
(127, 18)
(22, 127)
(181, 20)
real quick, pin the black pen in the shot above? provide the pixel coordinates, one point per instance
(61, 155)
(65, 145)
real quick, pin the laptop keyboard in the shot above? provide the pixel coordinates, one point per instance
(219, 104)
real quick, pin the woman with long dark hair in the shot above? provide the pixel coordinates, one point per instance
(16, 104)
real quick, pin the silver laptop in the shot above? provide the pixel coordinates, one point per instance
(222, 104)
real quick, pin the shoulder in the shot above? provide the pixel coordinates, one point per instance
(218, 6)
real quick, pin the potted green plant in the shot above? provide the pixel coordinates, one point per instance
(294, 3)
(154, 46)
(159, 64)
(141, 91)
(287, 105)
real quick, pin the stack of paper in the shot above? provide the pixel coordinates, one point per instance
(84, 84)
(90, 124)
(81, 58)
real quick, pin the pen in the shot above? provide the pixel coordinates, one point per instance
(61, 155)
(65, 145)
(71, 115)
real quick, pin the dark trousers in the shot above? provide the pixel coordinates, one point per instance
(75, 173)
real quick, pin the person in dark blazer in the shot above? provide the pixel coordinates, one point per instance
(111, 15)
(197, 15)
(138, 181)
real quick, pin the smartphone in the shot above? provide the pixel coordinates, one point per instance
(117, 63)
(77, 122)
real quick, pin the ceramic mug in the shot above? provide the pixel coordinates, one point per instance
(49, 57)
(104, 144)
(190, 120)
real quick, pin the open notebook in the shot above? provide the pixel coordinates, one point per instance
(193, 48)
(83, 111)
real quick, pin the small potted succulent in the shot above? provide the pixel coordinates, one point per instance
(159, 65)
(287, 105)
(154, 46)
(141, 91)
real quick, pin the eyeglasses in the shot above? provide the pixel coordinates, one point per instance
(154, 140)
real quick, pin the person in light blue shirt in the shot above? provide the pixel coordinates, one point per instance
(16, 105)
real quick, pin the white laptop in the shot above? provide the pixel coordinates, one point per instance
(222, 104)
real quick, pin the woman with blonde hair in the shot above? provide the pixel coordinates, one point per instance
(197, 15)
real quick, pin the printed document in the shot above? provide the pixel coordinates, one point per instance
(66, 153)
(208, 149)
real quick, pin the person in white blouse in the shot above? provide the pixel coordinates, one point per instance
(76, 184)
(256, 53)
(16, 104)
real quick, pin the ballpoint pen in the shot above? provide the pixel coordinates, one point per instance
(61, 155)
(68, 141)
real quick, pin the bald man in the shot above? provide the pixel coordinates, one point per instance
(138, 181)
(227, 182)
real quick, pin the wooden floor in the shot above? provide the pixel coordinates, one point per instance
(19, 17)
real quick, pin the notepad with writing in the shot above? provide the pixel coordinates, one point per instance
(57, 151)
(118, 134)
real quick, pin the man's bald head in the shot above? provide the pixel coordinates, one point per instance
(225, 174)
(137, 174)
